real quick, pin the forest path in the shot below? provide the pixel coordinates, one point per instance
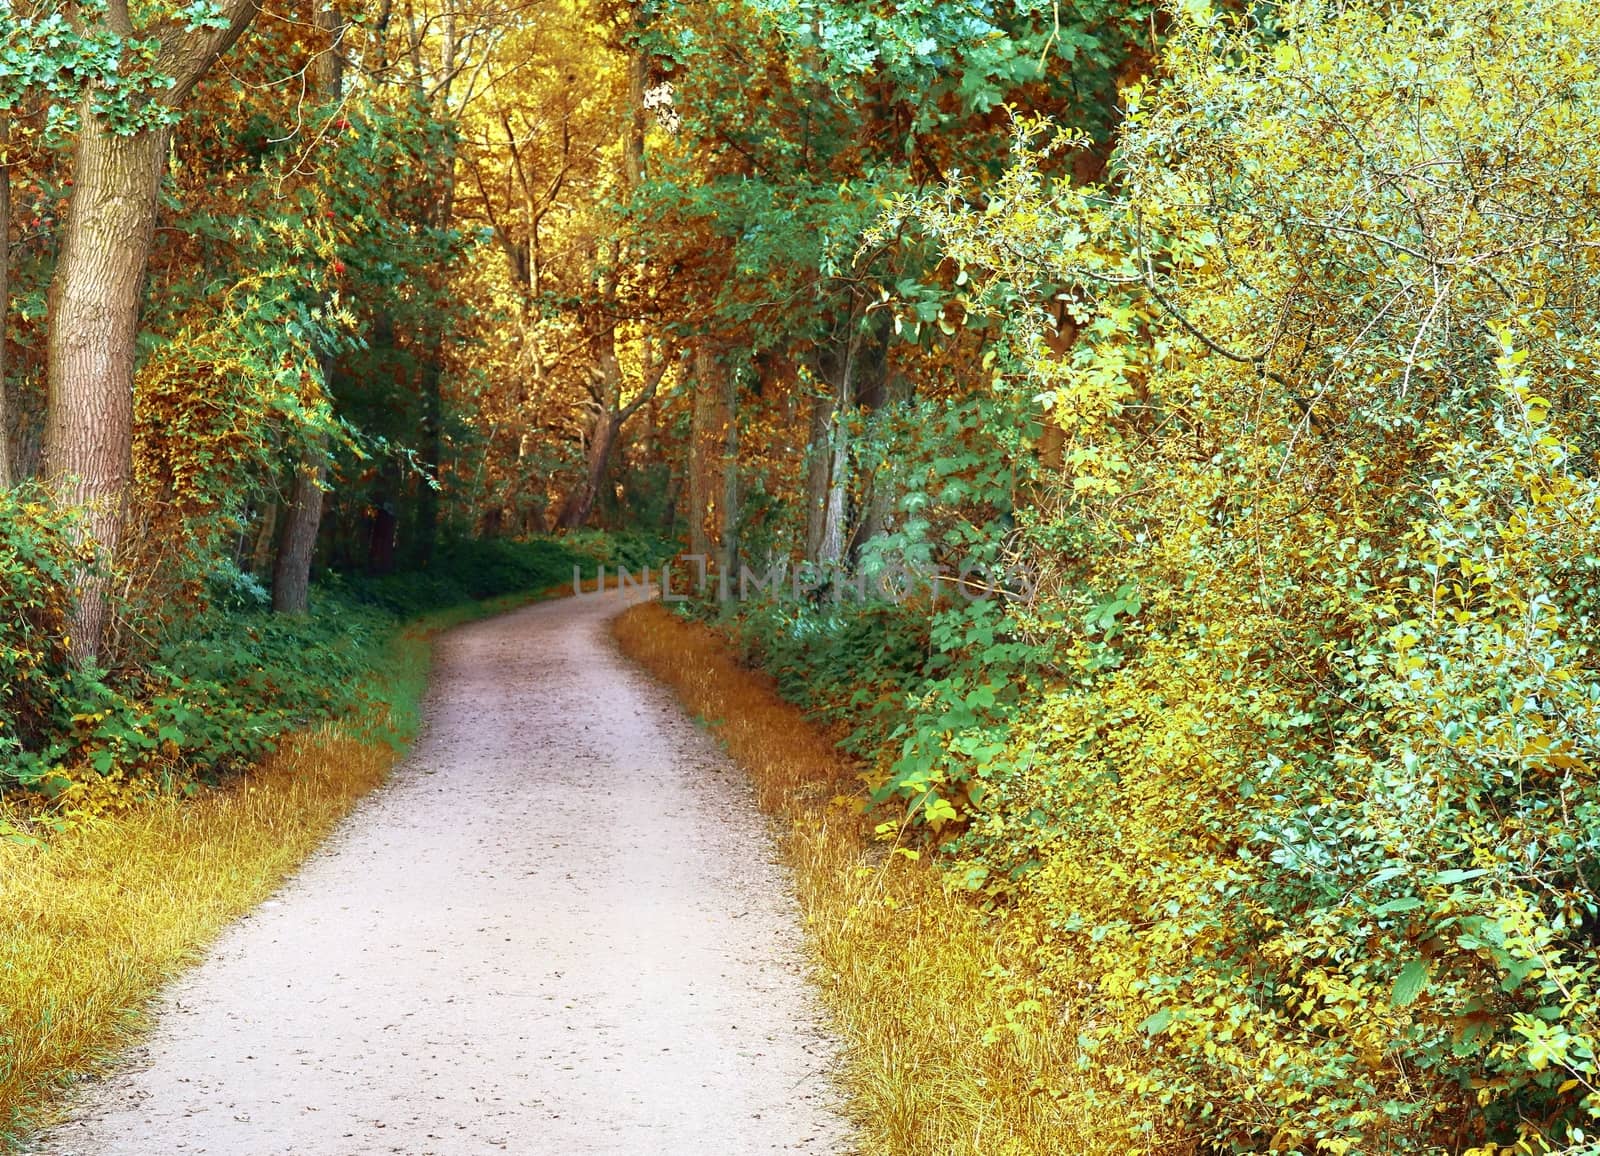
(558, 930)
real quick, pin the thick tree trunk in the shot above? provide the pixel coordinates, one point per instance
(610, 418)
(878, 513)
(291, 575)
(579, 505)
(828, 481)
(830, 550)
(881, 392)
(602, 440)
(297, 543)
(94, 323)
(95, 292)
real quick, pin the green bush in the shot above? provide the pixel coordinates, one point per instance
(228, 681)
(633, 550)
(37, 560)
(465, 570)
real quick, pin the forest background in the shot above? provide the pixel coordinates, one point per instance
(1252, 342)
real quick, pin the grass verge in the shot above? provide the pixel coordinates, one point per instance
(947, 1050)
(94, 921)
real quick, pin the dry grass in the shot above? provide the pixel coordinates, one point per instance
(915, 977)
(94, 922)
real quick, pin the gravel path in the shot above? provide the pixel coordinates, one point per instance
(559, 930)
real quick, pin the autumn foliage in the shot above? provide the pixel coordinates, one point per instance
(1176, 422)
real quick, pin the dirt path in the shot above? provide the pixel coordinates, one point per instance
(558, 931)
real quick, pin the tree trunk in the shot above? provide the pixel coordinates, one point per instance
(702, 439)
(818, 460)
(633, 144)
(291, 576)
(383, 530)
(830, 550)
(95, 292)
(432, 449)
(828, 480)
(579, 505)
(297, 546)
(602, 441)
(433, 339)
(728, 556)
(94, 324)
(263, 553)
(609, 418)
(883, 392)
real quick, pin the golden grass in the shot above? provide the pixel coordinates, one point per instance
(916, 978)
(95, 920)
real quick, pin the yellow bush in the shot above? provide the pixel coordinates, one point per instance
(954, 1045)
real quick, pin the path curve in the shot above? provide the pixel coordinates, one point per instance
(558, 931)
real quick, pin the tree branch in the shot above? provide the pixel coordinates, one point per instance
(188, 52)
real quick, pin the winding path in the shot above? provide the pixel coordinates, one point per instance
(559, 930)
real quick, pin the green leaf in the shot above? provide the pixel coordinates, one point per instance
(1455, 875)
(1409, 983)
(1405, 903)
(1157, 1023)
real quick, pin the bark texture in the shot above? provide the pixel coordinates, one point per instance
(94, 324)
(607, 387)
(291, 573)
(95, 296)
(828, 480)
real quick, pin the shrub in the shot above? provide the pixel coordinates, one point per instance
(37, 563)
(1299, 787)
(227, 682)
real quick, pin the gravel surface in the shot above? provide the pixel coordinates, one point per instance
(560, 929)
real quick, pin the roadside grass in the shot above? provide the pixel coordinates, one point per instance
(94, 920)
(945, 1050)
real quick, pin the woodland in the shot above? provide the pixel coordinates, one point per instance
(1177, 419)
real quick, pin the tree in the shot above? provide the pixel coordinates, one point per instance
(119, 158)
(291, 572)
(799, 121)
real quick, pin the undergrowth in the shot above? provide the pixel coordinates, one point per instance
(219, 683)
(951, 1045)
(113, 881)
